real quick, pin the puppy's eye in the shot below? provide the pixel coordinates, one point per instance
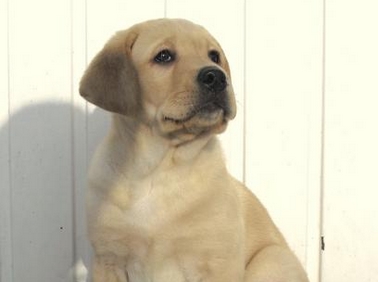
(214, 56)
(165, 56)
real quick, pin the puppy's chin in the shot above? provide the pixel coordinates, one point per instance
(186, 129)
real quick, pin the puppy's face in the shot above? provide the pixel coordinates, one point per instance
(170, 73)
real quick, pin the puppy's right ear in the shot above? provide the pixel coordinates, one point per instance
(111, 81)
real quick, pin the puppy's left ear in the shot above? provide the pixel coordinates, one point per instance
(111, 81)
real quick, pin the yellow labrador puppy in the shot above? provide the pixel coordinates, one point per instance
(161, 205)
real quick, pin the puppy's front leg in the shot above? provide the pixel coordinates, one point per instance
(275, 263)
(105, 270)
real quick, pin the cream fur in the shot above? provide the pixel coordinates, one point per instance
(161, 204)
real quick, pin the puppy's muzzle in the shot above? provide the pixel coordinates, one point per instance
(213, 84)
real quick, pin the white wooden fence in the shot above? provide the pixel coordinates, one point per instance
(305, 139)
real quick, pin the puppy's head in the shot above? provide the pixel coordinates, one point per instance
(171, 74)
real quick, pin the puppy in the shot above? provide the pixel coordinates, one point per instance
(161, 205)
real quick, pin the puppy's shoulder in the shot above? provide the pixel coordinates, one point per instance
(256, 218)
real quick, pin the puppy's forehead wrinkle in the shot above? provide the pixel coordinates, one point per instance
(166, 34)
(183, 48)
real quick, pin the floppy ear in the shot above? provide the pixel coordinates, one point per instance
(111, 81)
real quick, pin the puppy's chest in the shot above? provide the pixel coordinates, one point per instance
(144, 209)
(139, 221)
(141, 206)
(137, 213)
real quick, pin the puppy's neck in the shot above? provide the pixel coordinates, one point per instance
(144, 150)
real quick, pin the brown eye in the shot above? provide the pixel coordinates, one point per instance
(165, 56)
(214, 56)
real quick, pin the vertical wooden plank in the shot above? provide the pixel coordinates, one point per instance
(225, 21)
(283, 117)
(5, 184)
(351, 138)
(82, 253)
(40, 83)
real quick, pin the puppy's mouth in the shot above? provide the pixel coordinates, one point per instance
(187, 117)
(209, 112)
(208, 118)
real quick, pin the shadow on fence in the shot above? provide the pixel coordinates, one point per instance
(43, 171)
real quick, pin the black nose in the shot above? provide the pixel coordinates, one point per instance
(212, 78)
